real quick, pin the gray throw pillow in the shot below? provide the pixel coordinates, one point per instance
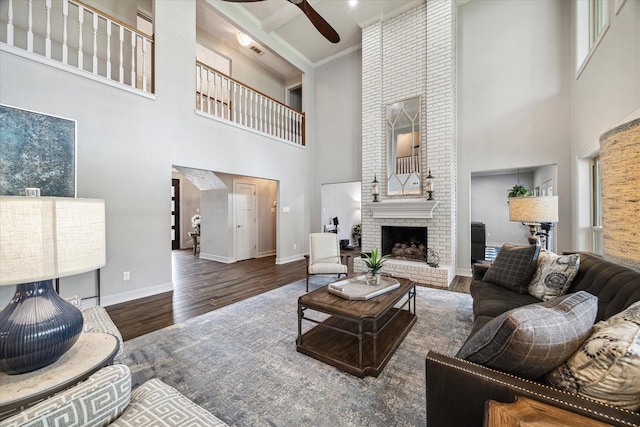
(532, 340)
(513, 267)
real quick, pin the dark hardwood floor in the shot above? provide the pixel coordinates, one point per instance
(201, 286)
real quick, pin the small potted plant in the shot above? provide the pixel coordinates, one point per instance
(374, 262)
(357, 233)
(518, 191)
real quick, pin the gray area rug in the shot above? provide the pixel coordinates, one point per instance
(240, 363)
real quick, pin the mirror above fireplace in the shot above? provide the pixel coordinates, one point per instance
(403, 149)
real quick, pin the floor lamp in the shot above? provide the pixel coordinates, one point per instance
(532, 211)
(43, 238)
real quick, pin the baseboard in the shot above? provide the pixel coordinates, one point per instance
(218, 258)
(266, 254)
(464, 272)
(107, 300)
(289, 259)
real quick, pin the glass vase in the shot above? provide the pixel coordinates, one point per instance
(373, 279)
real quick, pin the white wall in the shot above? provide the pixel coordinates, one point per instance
(514, 69)
(606, 94)
(342, 200)
(337, 153)
(489, 204)
(127, 144)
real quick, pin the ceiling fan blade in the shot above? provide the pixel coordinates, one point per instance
(318, 21)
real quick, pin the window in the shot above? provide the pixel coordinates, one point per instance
(592, 22)
(596, 205)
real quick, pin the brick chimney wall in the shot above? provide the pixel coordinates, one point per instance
(410, 55)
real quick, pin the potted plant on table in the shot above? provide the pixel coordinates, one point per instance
(195, 222)
(357, 233)
(374, 262)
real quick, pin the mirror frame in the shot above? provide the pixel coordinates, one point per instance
(403, 173)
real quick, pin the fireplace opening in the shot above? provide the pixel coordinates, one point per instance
(405, 242)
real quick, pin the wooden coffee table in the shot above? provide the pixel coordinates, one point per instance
(358, 337)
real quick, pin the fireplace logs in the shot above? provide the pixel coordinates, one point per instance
(413, 250)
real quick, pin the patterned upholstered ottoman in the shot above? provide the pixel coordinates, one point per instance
(105, 399)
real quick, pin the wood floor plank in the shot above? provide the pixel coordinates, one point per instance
(201, 286)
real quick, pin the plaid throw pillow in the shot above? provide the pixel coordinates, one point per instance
(532, 340)
(513, 267)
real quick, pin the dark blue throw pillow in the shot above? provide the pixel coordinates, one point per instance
(513, 267)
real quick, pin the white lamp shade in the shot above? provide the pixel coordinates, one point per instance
(43, 238)
(533, 209)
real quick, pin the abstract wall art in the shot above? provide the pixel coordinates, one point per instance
(36, 150)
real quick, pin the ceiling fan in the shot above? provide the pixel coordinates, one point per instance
(315, 18)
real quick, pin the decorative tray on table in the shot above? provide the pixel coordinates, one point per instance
(356, 288)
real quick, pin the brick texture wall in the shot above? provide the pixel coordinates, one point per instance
(410, 55)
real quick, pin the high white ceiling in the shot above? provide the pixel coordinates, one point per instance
(285, 21)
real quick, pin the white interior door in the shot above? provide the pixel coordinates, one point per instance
(245, 219)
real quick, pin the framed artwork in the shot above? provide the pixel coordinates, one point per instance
(36, 151)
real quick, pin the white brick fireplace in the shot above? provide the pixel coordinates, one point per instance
(406, 56)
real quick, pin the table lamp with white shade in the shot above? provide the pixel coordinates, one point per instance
(44, 238)
(532, 211)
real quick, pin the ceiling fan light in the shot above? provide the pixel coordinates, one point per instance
(353, 3)
(244, 39)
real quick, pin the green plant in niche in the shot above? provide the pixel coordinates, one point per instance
(374, 261)
(357, 230)
(518, 191)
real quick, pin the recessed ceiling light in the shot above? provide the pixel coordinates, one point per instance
(352, 3)
(244, 39)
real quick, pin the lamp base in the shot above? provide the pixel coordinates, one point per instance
(533, 226)
(36, 328)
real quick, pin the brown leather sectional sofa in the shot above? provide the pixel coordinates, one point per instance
(457, 390)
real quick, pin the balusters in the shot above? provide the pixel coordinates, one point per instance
(261, 114)
(80, 22)
(95, 43)
(212, 98)
(144, 64)
(47, 36)
(109, 48)
(200, 89)
(65, 33)
(10, 23)
(121, 68)
(133, 59)
(230, 100)
(30, 27)
(45, 25)
(216, 98)
(234, 105)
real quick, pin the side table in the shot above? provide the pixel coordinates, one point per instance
(92, 351)
(531, 412)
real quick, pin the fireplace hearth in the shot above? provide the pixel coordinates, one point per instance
(409, 243)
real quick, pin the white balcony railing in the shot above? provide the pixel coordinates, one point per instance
(79, 36)
(225, 98)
